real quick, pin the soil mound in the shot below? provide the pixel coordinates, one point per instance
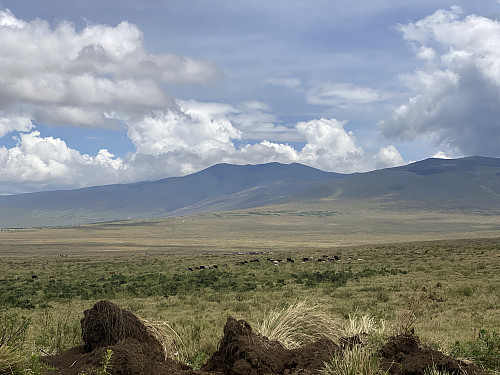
(242, 352)
(404, 355)
(135, 349)
(106, 324)
(137, 352)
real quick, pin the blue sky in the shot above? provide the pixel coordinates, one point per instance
(99, 92)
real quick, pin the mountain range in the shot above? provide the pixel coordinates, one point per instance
(467, 185)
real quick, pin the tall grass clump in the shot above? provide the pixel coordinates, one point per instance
(366, 328)
(57, 332)
(298, 324)
(199, 341)
(358, 324)
(13, 328)
(166, 336)
(356, 361)
(11, 361)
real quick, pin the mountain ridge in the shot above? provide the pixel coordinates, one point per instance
(469, 184)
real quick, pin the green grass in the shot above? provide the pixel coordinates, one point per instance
(144, 268)
(483, 350)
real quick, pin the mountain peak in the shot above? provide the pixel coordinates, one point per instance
(471, 183)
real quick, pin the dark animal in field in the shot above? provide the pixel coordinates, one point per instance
(33, 277)
(215, 266)
(289, 260)
(190, 269)
(202, 267)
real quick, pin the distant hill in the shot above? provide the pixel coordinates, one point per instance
(468, 185)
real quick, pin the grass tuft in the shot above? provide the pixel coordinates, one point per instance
(166, 336)
(358, 324)
(299, 324)
(356, 361)
(434, 371)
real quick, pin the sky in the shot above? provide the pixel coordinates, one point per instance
(102, 92)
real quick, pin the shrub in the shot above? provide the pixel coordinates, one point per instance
(484, 350)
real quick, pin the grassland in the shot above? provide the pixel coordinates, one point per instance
(278, 228)
(387, 260)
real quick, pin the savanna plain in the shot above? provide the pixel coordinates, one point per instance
(367, 269)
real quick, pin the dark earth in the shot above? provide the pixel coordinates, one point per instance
(136, 351)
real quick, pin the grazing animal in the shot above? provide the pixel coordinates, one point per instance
(190, 269)
(289, 260)
(215, 266)
(34, 277)
(202, 267)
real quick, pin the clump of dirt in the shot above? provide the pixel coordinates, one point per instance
(405, 355)
(137, 352)
(106, 324)
(242, 352)
(135, 349)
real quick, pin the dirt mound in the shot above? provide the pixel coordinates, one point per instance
(129, 357)
(137, 352)
(105, 324)
(135, 349)
(405, 355)
(242, 352)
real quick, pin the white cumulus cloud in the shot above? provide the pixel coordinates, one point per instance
(67, 77)
(102, 76)
(455, 96)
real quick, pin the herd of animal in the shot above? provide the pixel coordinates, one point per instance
(276, 262)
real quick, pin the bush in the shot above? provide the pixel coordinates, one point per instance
(484, 350)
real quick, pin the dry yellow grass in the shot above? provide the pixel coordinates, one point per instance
(299, 324)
